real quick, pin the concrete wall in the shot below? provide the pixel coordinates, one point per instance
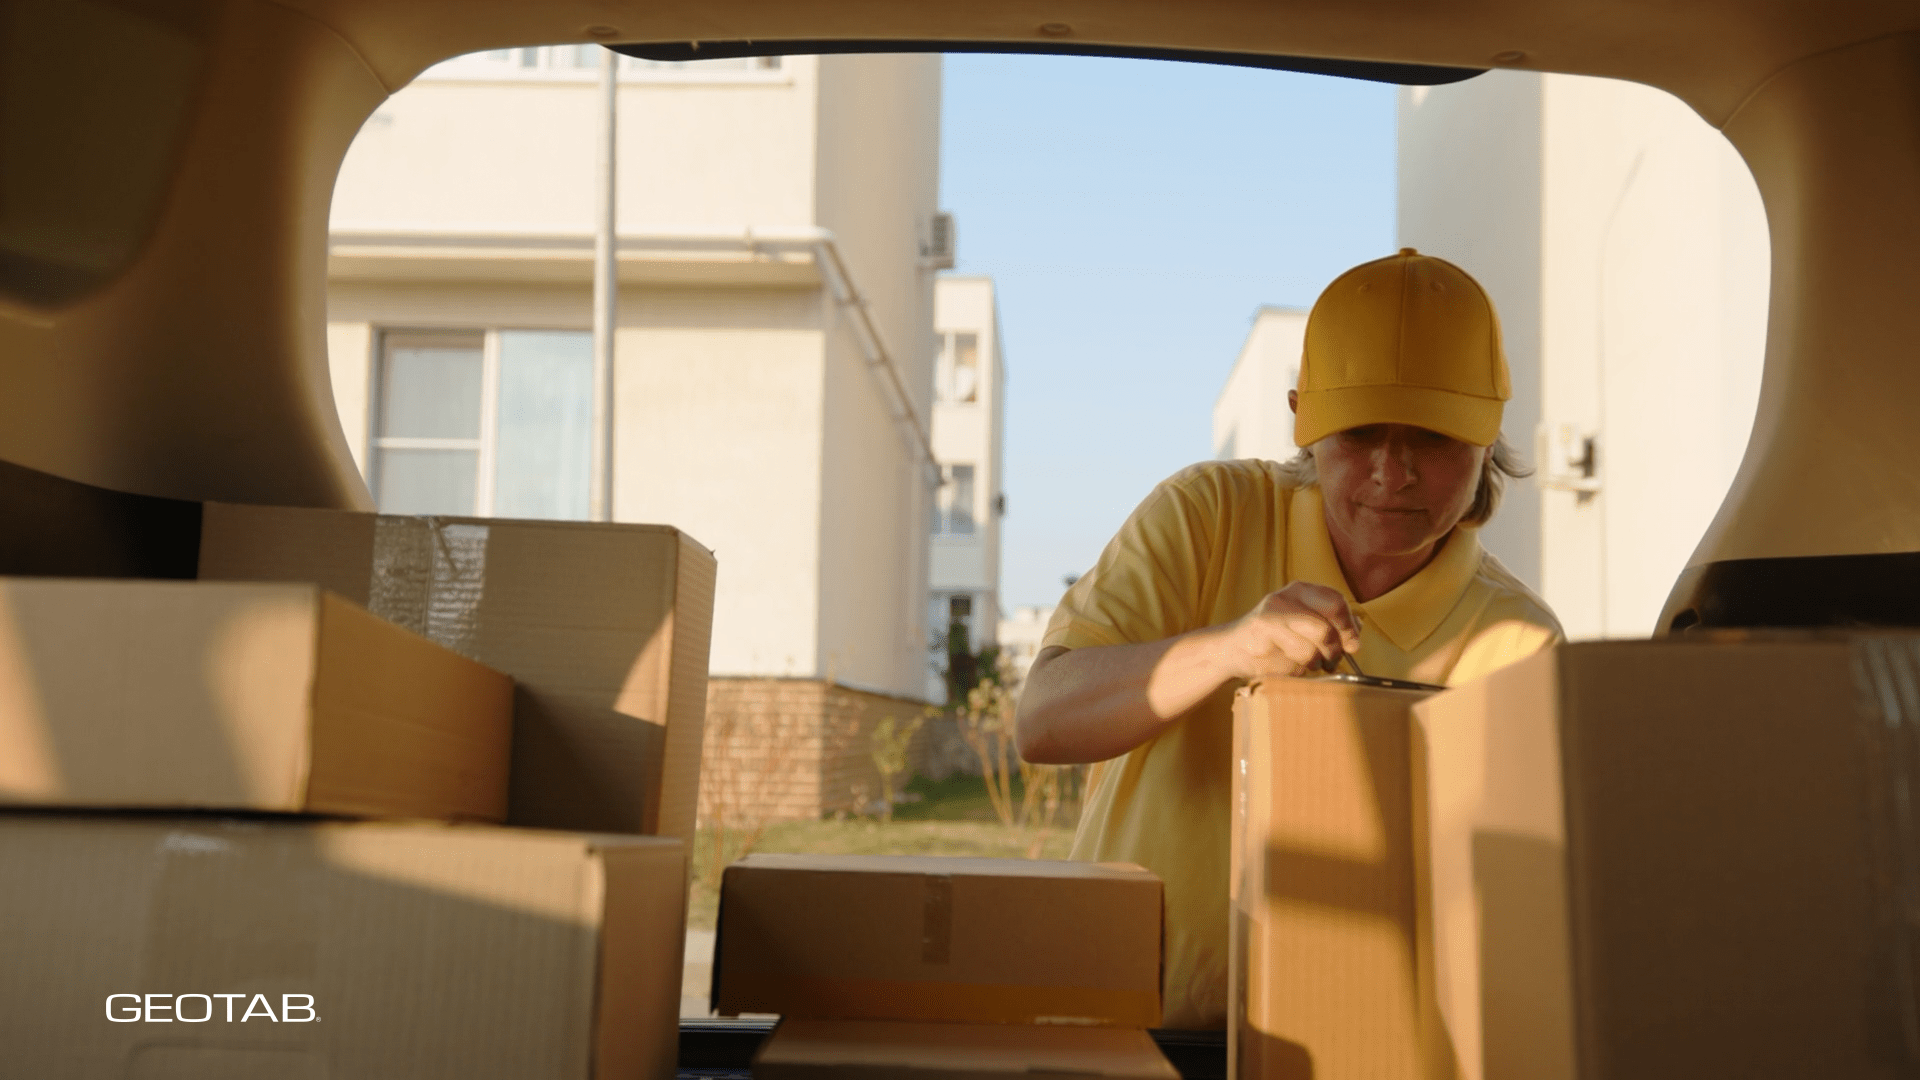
(1250, 417)
(878, 185)
(1625, 245)
(1470, 192)
(520, 153)
(719, 433)
(1656, 276)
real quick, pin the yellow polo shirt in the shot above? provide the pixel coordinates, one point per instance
(1202, 550)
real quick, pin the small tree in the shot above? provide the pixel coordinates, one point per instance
(892, 739)
(987, 720)
(986, 723)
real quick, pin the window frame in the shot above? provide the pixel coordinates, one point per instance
(945, 500)
(946, 365)
(483, 442)
(486, 443)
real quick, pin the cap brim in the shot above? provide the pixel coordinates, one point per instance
(1470, 419)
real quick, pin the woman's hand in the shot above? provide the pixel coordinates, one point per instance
(1099, 702)
(1301, 628)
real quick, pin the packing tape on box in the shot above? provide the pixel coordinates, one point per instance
(936, 921)
(1886, 673)
(429, 575)
(829, 998)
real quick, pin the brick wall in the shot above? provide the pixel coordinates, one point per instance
(791, 749)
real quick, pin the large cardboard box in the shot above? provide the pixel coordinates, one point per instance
(889, 1050)
(1322, 947)
(1678, 859)
(604, 629)
(283, 698)
(178, 948)
(883, 937)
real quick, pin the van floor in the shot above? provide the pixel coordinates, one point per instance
(721, 1049)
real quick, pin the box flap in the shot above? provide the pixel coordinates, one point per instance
(150, 693)
(604, 628)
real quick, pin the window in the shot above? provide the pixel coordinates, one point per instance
(958, 373)
(427, 452)
(574, 61)
(960, 511)
(953, 509)
(496, 423)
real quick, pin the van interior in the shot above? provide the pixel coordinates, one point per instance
(164, 238)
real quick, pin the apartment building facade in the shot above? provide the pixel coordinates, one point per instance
(968, 438)
(773, 371)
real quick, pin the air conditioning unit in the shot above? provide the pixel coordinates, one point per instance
(938, 245)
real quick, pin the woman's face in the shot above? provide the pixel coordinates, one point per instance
(1394, 489)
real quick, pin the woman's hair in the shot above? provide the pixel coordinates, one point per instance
(1503, 464)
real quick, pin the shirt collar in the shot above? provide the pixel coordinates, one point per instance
(1407, 615)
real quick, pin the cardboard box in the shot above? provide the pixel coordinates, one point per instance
(1678, 859)
(1322, 948)
(991, 941)
(885, 1050)
(604, 629)
(239, 697)
(351, 949)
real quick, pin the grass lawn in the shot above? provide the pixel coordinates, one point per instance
(953, 817)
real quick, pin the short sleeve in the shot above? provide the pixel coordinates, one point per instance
(1147, 584)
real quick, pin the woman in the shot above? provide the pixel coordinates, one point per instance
(1366, 544)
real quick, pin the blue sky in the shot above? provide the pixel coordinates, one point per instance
(1134, 215)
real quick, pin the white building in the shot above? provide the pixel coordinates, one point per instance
(1020, 636)
(773, 358)
(968, 434)
(1624, 242)
(1251, 418)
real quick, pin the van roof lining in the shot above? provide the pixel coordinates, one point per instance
(1369, 70)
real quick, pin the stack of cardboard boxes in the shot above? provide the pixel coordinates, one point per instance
(254, 821)
(884, 966)
(1679, 858)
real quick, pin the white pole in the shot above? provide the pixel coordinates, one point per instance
(606, 297)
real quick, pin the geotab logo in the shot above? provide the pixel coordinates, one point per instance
(169, 1008)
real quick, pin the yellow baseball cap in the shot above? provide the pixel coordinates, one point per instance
(1408, 339)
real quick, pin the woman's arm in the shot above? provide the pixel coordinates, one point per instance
(1096, 703)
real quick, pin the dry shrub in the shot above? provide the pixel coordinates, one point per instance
(987, 724)
(892, 742)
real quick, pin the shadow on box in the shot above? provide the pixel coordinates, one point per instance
(1522, 969)
(1273, 1058)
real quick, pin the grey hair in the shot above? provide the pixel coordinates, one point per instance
(1505, 463)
